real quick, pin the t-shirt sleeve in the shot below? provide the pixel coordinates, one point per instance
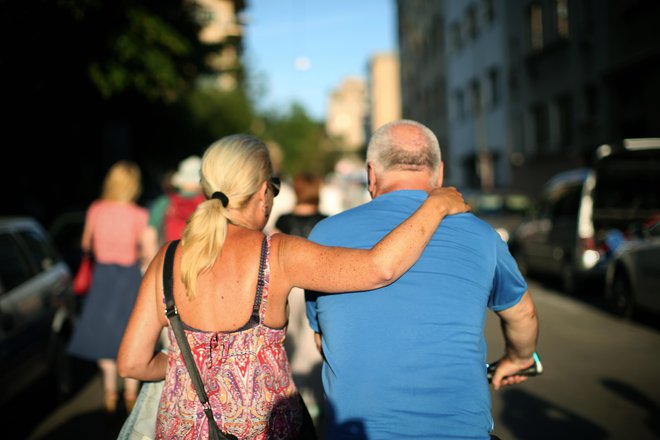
(509, 285)
(310, 309)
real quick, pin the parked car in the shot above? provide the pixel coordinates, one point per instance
(66, 233)
(503, 210)
(566, 234)
(36, 309)
(633, 275)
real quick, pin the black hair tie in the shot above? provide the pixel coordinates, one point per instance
(222, 197)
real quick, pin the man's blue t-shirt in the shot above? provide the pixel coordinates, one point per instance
(409, 360)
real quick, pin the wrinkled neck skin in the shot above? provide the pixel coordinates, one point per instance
(395, 180)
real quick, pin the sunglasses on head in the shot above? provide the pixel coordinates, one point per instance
(275, 183)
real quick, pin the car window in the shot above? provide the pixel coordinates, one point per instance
(40, 252)
(14, 268)
(634, 191)
(567, 203)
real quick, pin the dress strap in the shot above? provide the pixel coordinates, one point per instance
(259, 308)
(261, 298)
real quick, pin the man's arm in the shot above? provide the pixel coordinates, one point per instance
(520, 328)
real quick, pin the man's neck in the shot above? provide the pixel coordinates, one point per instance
(396, 183)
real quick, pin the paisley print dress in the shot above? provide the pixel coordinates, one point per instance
(247, 377)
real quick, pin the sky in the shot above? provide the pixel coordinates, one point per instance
(301, 50)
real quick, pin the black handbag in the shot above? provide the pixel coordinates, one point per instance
(175, 321)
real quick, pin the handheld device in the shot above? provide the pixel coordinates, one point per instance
(534, 370)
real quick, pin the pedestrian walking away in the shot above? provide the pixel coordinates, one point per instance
(409, 360)
(231, 284)
(113, 232)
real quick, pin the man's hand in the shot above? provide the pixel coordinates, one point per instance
(317, 341)
(450, 199)
(505, 373)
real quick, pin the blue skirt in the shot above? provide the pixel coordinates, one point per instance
(105, 311)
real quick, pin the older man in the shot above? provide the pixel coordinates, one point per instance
(409, 360)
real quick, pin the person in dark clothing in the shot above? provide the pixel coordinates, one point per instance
(306, 212)
(304, 358)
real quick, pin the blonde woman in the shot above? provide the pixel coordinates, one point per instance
(113, 231)
(231, 285)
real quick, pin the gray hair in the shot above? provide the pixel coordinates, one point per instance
(387, 152)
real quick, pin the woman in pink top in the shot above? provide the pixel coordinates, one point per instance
(231, 285)
(114, 226)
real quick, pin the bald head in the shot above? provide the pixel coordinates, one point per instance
(403, 145)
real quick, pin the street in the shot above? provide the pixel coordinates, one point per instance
(600, 382)
(600, 377)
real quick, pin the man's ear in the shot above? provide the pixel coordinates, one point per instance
(441, 174)
(371, 179)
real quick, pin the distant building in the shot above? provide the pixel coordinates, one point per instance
(518, 90)
(347, 110)
(225, 28)
(421, 36)
(384, 90)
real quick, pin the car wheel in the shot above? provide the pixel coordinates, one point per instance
(621, 300)
(61, 377)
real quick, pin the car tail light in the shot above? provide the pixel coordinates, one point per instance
(590, 255)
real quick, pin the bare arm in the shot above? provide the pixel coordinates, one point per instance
(136, 358)
(520, 328)
(86, 239)
(336, 269)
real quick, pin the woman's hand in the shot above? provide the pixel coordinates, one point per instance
(450, 199)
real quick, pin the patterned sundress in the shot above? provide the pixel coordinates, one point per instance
(247, 377)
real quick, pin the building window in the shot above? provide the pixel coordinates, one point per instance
(561, 8)
(536, 27)
(591, 101)
(540, 120)
(488, 11)
(437, 35)
(564, 119)
(475, 98)
(493, 87)
(456, 36)
(440, 106)
(471, 23)
(460, 105)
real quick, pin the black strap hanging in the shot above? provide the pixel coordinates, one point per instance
(175, 321)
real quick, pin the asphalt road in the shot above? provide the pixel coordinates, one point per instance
(600, 382)
(601, 378)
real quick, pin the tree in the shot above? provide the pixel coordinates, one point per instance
(301, 138)
(88, 82)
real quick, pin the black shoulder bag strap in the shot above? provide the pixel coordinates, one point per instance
(175, 321)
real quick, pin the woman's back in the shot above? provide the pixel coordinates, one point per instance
(226, 292)
(241, 360)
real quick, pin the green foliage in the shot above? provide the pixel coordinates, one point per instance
(220, 113)
(146, 47)
(300, 138)
(142, 57)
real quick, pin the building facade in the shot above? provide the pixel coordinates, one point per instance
(533, 87)
(223, 28)
(384, 90)
(347, 111)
